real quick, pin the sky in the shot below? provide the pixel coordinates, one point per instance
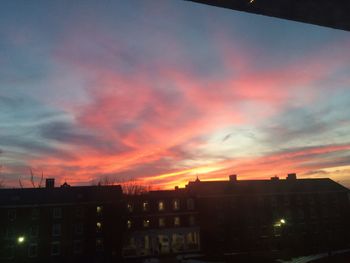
(160, 92)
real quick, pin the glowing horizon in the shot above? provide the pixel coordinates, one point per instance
(161, 92)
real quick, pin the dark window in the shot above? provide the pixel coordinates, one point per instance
(35, 213)
(78, 229)
(32, 250)
(99, 244)
(55, 248)
(190, 204)
(12, 214)
(57, 212)
(34, 231)
(77, 247)
(56, 230)
(79, 212)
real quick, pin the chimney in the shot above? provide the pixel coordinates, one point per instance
(50, 183)
(233, 178)
(176, 188)
(275, 178)
(292, 176)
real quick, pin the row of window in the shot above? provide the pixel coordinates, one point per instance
(56, 213)
(175, 205)
(55, 248)
(176, 222)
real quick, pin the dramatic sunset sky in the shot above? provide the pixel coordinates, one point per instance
(163, 91)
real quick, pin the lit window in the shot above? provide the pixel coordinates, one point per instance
(192, 220)
(190, 204)
(99, 244)
(176, 204)
(57, 212)
(146, 223)
(55, 248)
(161, 205)
(33, 250)
(145, 206)
(98, 227)
(77, 246)
(129, 224)
(99, 210)
(161, 222)
(130, 207)
(176, 221)
(35, 213)
(12, 214)
(56, 230)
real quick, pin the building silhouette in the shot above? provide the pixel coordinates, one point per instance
(219, 219)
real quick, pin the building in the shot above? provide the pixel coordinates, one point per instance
(161, 223)
(61, 224)
(293, 216)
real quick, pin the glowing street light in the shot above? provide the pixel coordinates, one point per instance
(283, 221)
(20, 239)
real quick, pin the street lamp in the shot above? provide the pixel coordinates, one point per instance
(20, 239)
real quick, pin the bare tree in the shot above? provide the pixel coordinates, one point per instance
(2, 184)
(129, 187)
(32, 180)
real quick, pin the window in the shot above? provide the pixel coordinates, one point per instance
(129, 224)
(161, 205)
(176, 204)
(32, 250)
(176, 221)
(35, 213)
(77, 247)
(79, 229)
(79, 212)
(191, 221)
(9, 252)
(57, 212)
(146, 223)
(12, 214)
(55, 248)
(130, 207)
(98, 227)
(190, 204)
(9, 233)
(145, 206)
(56, 230)
(99, 210)
(161, 222)
(34, 231)
(99, 244)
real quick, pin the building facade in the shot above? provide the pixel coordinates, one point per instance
(61, 224)
(161, 223)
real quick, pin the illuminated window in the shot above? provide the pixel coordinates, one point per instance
(32, 250)
(130, 207)
(161, 222)
(145, 206)
(99, 210)
(55, 248)
(146, 223)
(129, 224)
(176, 204)
(190, 204)
(56, 230)
(57, 212)
(161, 205)
(176, 221)
(98, 227)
